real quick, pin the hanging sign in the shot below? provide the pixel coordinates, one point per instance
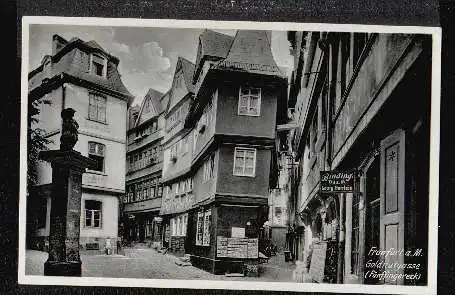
(337, 182)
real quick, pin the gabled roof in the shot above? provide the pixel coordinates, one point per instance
(67, 61)
(153, 97)
(133, 112)
(187, 68)
(165, 100)
(251, 52)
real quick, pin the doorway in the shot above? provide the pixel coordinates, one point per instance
(372, 215)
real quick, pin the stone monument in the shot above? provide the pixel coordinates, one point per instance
(68, 166)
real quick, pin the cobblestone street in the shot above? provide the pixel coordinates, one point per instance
(149, 264)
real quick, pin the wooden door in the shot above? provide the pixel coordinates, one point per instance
(392, 200)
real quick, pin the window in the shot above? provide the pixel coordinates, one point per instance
(176, 188)
(249, 101)
(96, 152)
(130, 195)
(131, 160)
(173, 227)
(173, 153)
(244, 162)
(209, 167)
(185, 224)
(97, 108)
(179, 225)
(93, 214)
(184, 145)
(98, 65)
(160, 191)
(189, 185)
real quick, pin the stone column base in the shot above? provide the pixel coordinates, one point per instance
(56, 268)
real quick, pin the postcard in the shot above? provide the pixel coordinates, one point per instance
(229, 155)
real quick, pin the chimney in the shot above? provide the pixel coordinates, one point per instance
(58, 43)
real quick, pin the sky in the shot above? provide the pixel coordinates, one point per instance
(147, 55)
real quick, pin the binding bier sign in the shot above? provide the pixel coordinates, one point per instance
(337, 181)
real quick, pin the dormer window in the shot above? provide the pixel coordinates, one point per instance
(98, 65)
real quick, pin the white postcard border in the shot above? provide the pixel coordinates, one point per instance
(238, 285)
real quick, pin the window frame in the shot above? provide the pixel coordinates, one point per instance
(92, 215)
(209, 168)
(89, 153)
(104, 74)
(248, 113)
(97, 98)
(245, 149)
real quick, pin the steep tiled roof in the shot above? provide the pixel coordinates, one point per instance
(74, 60)
(215, 44)
(153, 97)
(188, 70)
(133, 112)
(212, 45)
(94, 44)
(251, 52)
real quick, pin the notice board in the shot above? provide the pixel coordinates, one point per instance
(323, 267)
(237, 247)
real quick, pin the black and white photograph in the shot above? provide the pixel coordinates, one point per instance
(236, 155)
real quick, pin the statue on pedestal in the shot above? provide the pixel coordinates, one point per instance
(68, 166)
(69, 130)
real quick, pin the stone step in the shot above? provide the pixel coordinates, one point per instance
(185, 258)
(233, 274)
(182, 263)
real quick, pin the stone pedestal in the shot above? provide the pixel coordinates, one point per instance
(67, 170)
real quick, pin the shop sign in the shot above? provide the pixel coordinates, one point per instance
(237, 232)
(337, 182)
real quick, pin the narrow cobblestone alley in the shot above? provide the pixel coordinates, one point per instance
(149, 264)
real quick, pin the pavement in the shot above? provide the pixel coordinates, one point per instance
(149, 264)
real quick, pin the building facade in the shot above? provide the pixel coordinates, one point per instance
(361, 105)
(239, 92)
(83, 76)
(144, 161)
(177, 154)
(279, 210)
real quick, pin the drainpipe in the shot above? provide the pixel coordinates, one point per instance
(340, 241)
(63, 95)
